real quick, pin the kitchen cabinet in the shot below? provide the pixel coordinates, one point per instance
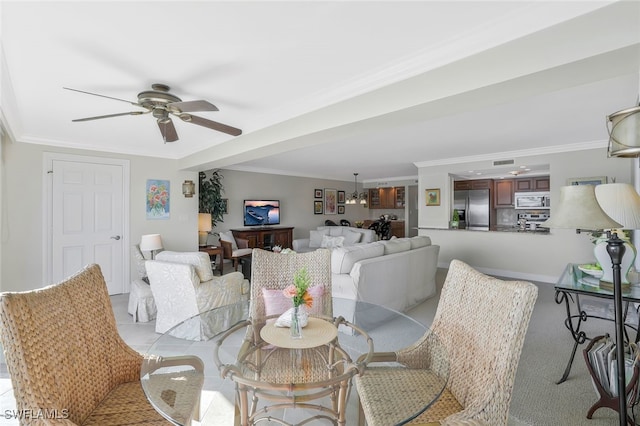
(386, 198)
(472, 184)
(399, 198)
(504, 193)
(538, 183)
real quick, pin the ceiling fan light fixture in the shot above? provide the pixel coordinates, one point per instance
(161, 104)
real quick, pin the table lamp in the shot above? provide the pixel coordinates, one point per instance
(151, 242)
(579, 209)
(621, 202)
(204, 227)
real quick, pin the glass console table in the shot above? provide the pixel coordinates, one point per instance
(572, 284)
(236, 371)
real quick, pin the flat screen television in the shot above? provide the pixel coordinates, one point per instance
(261, 212)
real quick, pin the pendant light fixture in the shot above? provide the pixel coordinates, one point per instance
(356, 197)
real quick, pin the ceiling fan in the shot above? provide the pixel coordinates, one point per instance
(161, 104)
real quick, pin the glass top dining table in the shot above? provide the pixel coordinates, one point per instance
(228, 379)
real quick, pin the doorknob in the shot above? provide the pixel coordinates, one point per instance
(117, 237)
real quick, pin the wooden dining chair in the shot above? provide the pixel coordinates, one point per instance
(482, 322)
(234, 249)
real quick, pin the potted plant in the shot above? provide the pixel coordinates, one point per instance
(455, 219)
(210, 196)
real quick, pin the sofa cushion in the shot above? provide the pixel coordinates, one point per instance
(332, 242)
(419, 241)
(200, 261)
(228, 236)
(315, 237)
(276, 303)
(336, 231)
(351, 238)
(395, 246)
(343, 258)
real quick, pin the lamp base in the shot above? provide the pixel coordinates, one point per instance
(603, 258)
(202, 238)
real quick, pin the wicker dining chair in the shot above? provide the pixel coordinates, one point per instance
(66, 359)
(482, 322)
(271, 273)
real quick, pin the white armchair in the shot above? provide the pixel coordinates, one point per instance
(141, 304)
(183, 285)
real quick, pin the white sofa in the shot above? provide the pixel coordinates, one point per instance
(398, 273)
(334, 236)
(183, 285)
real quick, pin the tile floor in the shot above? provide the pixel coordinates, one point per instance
(141, 336)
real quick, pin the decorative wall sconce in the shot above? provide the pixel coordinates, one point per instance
(624, 132)
(188, 188)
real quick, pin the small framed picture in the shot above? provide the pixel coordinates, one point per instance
(317, 193)
(317, 207)
(598, 180)
(340, 209)
(226, 205)
(330, 201)
(341, 198)
(433, 197)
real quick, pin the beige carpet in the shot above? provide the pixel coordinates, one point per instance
(537, 399)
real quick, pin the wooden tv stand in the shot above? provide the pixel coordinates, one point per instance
(265, 237)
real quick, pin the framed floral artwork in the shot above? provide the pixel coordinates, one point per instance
(330, 201)
(341, 198)
(317, 193)
(433, 197)
(340, 209)
(158, 199)
(317, 207)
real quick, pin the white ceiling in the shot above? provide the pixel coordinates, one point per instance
(323, 89)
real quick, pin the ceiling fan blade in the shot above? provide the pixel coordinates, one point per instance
(111, 115)
(190, 106)
(210, 124)
(103, 96)
(167, 129)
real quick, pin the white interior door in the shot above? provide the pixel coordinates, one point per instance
(87, 220)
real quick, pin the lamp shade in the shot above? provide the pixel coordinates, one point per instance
(624, 133)
(621, 202)
(151, 242)
(204, 222)
(579, 209)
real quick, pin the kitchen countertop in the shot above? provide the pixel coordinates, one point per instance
(519, 230)
(513, 229)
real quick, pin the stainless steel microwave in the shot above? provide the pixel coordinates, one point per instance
(532, 200)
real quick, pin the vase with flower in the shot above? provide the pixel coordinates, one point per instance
(301, 298)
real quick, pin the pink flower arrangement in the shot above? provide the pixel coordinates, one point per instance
(298, 290)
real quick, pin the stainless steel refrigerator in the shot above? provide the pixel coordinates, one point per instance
(474, 206)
